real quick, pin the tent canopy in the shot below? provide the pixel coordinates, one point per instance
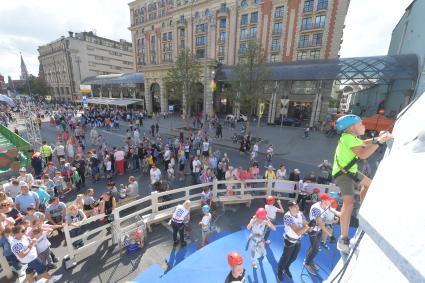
(113, 101)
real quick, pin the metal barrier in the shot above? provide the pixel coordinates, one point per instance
(7, 271)
(151, 210)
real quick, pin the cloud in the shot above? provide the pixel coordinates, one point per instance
(25, 25)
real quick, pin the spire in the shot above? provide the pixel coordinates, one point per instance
(24, 71)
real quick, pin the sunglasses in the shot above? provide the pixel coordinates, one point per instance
(4, 204)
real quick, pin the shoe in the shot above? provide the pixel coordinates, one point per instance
(288, 273)
(51, 266)
(54, 278)
(310, 269)
(325, 245)
(315, 266)
(279, 275)
(332, 239)
(55, 259)
(254, 264)
(343, 245)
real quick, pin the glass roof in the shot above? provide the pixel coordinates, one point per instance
(128, 78)
(345, 71)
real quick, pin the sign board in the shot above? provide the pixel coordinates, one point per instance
(85, 88)
(171, 108)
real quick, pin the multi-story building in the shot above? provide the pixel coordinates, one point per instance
(3, 88)
(219, 30)
(66, 62)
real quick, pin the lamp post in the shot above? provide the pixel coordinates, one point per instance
(204, 112)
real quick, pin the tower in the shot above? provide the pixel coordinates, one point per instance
(24, 71)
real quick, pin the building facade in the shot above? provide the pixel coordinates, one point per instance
(66, 62)
(219, 30)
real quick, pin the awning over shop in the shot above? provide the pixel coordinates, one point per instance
(114, 101)
(112, 79)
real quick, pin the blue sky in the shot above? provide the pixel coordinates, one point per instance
(26, 24)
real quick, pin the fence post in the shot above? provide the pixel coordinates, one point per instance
(214, 191)
(154, 204)
(5, 265)
(70, 257)
(116, 227)
(243, 184)
(269, 187)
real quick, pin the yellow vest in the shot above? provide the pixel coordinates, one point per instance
(46, 150)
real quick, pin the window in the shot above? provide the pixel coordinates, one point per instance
(274, 58)
(244, 34)
(254, 17)
(308, 6)
(221, 50)
(302, 55)
(242, 47)
(244, 3)
(275, 44)
(200, 40)
(222, 36)
(317, 39)
(278, 13)
(315, 54)
(257, 1)
(200, 53)
(320, 21)
(201, 28)
(322, 5)
(253, 32)
(306, 23)
(170, 36)
(303, 40)
(222, 23)
(90, 47)
(164, 37)
(277, 28)
(244, 19)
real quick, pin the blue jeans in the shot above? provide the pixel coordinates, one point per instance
(74, 233)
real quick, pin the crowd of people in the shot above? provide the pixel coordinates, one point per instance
(33, 201)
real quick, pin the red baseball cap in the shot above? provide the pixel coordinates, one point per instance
(325, 197)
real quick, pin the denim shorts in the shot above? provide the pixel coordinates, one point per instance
(37, 266)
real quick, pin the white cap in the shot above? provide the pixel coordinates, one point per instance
(23, 184)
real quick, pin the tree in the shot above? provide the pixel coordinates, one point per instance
(183, 79)
(37, 85)
(247, 88)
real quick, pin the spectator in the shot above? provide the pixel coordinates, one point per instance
(5, 239)
(43, 247)
(43, 196)
(49, 185)
(33, 214)
(155, 176)
(325, 169)
(119, 158)
(8, 209)
(94, 166)
(26, 198)
(113, 191)
(270, 174)
(55, 212)
(79, 201)
(133, 187)
(25, 251)
(281, 172)
(26, 177)
(106, 205)
(196, 165)
(12, 189)
(177, 221)
(89, 203)
(37, 164)
(59, 151)
(46, 151)
(80, 164)
(75, 218)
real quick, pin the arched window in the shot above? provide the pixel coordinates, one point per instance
(244, 3)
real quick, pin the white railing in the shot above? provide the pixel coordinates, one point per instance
(151, 211)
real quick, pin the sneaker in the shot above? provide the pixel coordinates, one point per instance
(279, 275)
(54, 278)
(343, 245)
(51, 266)
(55, 259)
(288, 273)
(315, 266)
(310, 269)
(325, 245)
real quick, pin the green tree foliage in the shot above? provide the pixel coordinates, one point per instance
(182, 80)
(38, 86)
(247, 88)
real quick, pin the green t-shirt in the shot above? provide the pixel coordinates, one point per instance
(344, 154)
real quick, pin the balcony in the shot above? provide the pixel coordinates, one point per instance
(181, 23)
(313, 26)
(222, 12)
(308, 44)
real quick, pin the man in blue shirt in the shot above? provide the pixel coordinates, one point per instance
(26, 199)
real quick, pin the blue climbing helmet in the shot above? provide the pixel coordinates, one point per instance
(346, 121)
(205, 208)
